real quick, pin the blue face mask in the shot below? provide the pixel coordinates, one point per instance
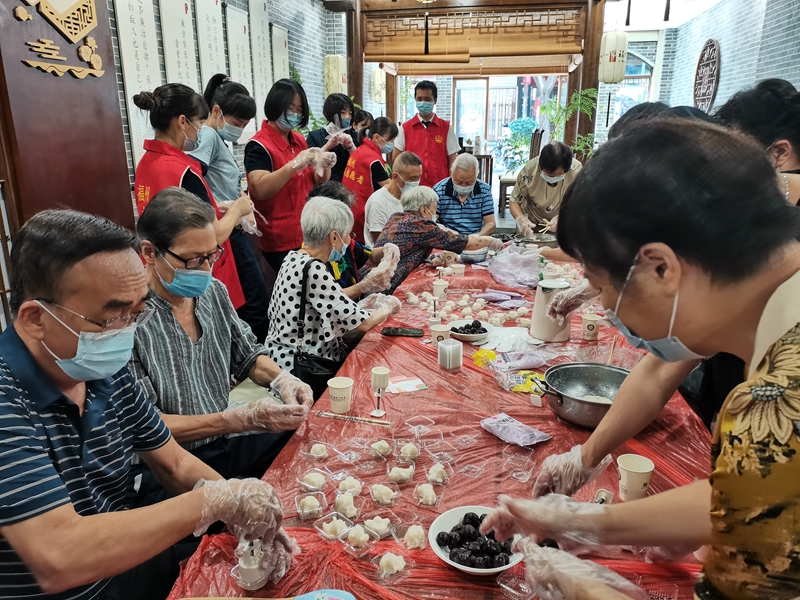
(669, 349)
(230, 133)
(189, 145)
(463, 190)
(336, 255)
(99, 355)
(425, 108)
(289, 121)
(187, 283)
(388, 148)
(345, 123)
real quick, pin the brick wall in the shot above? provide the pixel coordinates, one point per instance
(758, 39)
(313, 33)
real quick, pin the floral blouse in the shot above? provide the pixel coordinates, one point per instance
(755, 504)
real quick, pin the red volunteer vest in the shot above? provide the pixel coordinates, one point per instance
(358, 179)
(431, 146)
(282, 231)
(163, 166)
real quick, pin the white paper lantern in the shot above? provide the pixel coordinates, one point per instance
(613, 56)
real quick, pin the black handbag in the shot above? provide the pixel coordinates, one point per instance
(314, 370)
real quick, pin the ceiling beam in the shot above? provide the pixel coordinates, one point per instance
(395, 6)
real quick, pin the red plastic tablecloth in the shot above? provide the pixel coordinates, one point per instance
(676, 442)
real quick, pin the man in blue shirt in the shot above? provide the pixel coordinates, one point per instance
(71, 417)
(466, 205)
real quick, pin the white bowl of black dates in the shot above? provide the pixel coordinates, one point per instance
(470, 331)
(456, 538)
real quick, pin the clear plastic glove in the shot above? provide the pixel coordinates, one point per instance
(497, 245)
(567, 301)
(557, 575)
(524, 226)
(292, 390)
(570, 523)
(379, 301)
(252, 510)
(566, 474)
(391, 254)
(241, 207)
(306, 158)
(376, 280)
(327, 160)
(265, 415)
(342, 138)
(551, 225)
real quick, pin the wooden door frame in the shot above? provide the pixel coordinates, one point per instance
(486, 102)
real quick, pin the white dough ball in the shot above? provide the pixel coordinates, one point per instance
(319, 450)
(415, 537)
(463, 303)
(447, 310)
(391, 564)
(309, 504)
(465, 298)
(379, 525)
(483, 315)
(381, 447)
(350, 484)
(382, 494)
(423, 305)
(426, 494)
(357, 537)
(513, 315)
(437, 474)
(335, 527)
(314, 480)
(409, 452)
(401, 475)
(522, 311)
(467, 312)
(344, 504)
(453, 317)
(525, 322)
(413, 302)
(494, 321)
(476, 306)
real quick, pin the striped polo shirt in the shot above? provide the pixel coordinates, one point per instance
(464, 218)
(51, 456)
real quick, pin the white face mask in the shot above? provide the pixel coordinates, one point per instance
(550, 179)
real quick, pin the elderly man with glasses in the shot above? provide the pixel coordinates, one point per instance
(186, 354)
(73, 417)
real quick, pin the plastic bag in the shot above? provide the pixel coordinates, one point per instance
(248, 223)
(512, 431)
(517, 361)
(517, 267)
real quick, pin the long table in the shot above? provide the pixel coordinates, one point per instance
(676, 442)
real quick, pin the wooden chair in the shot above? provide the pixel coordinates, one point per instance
(536, 142)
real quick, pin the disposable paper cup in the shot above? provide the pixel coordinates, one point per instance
(341, 391)
(439, 287)
(591, 327)
(634, 476)
(439, 333)
(458, 269)
(449, 258)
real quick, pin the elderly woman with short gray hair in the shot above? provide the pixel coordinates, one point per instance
(416, 234)
(327, 226)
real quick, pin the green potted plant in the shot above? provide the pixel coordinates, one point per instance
(512, 152)
(582, 101)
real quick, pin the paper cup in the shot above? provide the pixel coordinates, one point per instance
(449, 257)
(591, 326)
(341, 391)
(634, 476)
(439, 287)
(439, 333)
(458, 269)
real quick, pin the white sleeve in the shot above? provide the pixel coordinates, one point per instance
(380, 215)
(400, 140)
(452, 142)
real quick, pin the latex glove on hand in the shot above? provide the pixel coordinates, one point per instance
(292, 390)
(265, 415)
(524, 226)
(566, 474)
(242, 207)
(252, 510)
(557, 575)
(567, 301)
(327, 160)
(497, 245)
(340, 138)
(376, 280)
(551, 225)
(391, 253)
(381, 301)
(305, 159)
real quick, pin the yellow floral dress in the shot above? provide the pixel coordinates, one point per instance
(755, 504)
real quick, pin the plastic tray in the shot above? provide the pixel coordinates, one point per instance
(327, 519)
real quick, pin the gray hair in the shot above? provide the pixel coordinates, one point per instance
(465, 162)
(322, 216)
(405, 160)
(417, 197)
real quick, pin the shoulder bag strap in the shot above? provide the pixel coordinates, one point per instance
(303, 289)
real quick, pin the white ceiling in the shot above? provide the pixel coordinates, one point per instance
(649, 14)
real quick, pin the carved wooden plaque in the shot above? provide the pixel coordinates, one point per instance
(706, 78)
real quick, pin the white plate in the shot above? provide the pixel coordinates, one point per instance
(478, 337)
(446, 521)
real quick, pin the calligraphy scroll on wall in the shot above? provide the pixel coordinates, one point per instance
(241, 69)
(210, 39)
(262, 55)
(138, 50)
(280, 53)
(177, 32)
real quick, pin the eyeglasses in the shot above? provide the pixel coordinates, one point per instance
(117, 323)
(197, 261)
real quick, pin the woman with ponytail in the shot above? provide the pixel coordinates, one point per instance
(177, 113)
(231, 110)
(366, 171)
